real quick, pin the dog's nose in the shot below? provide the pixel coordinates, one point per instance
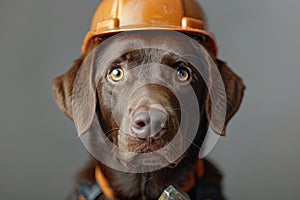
(149, 123)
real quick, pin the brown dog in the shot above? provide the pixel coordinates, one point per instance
(149, 120)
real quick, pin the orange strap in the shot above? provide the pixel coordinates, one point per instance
(104, 185)
(199, 168)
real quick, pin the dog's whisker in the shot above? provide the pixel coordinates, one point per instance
(187, 158)
(107, 136)
(112, 130)
(193, 143)
(176, 109)
(109, 133)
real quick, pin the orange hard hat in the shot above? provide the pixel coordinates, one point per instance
(113, 16)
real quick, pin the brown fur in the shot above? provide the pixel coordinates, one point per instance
(150, 185)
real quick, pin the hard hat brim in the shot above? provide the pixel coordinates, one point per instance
(101, 33)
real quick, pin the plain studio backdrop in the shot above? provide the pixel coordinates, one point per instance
(40, 152)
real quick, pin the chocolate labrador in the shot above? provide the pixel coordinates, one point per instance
(148, 119)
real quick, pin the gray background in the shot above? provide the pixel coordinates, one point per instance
(40, 152)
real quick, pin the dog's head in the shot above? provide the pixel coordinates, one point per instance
(138, 95)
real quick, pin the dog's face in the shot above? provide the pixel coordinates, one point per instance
(140, 114)
(145, 115)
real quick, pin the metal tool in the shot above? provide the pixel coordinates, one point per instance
(171, 193)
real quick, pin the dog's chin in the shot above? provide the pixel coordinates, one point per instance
(142, 160)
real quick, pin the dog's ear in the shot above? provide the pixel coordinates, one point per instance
(63, 85)
(63, 88)
(234, 88)
(74, 92)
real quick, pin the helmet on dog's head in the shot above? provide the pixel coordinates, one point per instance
(113, 16)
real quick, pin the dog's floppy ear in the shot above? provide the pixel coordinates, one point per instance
(234, 88)
(63, 85)
(75, 95)
(74, 91)
(63, 88)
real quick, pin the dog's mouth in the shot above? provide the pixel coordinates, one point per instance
(157, 151)
(151, 144)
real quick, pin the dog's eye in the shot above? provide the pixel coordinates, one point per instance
(117, 74)
(183, 74)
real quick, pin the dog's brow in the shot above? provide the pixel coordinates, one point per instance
(130, 56)
(137, 57)
(140, 56)
(169, 59)
(117, 62)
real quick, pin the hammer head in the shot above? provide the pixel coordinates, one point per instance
(171, 193)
